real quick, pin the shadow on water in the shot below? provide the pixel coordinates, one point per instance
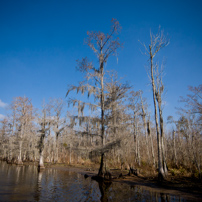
(25, 183)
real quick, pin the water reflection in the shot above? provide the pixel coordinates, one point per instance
(104, 189)
(38, 186)
(26, 183)
(123, 192)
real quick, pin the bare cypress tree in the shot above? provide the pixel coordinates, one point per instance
(104, 46)
(151, 140)
(4, 139)
(157, 42)
(13, 120)
(190, 126)
(193, 102)
(174, 148)
(24, 118)
(134, 105)
(58, 123)
(146, 130)
(44, 122)
(170, 120)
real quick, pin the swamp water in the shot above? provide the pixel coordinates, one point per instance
(24, 183)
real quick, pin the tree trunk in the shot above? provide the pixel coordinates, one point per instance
(101, 169)
(19, 160)
(138, 146)
(174, 150)
(161, 173)
(41, 151)
(162, 135)
(151, 141)
(41, 161)
(70, 155)
(56, 150)
(145, 129)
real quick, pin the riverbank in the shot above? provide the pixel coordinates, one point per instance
(189, 188)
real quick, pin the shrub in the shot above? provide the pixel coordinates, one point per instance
(182, 171)
(173, 172)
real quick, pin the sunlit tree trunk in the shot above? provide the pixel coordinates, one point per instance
(41, 150)
(101, 169)
(138, 145)
(19, 160)
(70, 153)
(162, 132)
(159, 143)
(151, 142)
(145, 128)
(43, 122)
(174, 150)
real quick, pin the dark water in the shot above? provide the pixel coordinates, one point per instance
(26, 184)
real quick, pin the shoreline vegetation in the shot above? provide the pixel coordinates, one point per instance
(176, 183)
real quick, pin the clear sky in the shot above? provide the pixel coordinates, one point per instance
(40, 42)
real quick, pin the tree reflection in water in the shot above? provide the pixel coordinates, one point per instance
(104, 189)
(26, 184)
(116, 192)
(38, 186)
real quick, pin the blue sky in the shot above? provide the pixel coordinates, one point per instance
(40, 42)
